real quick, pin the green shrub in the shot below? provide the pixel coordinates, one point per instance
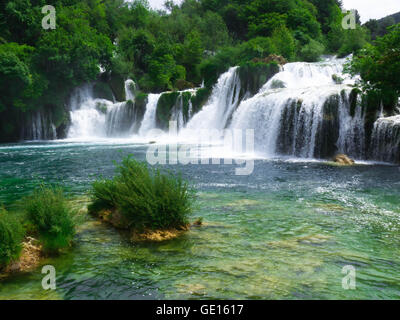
(312, 51)
(11, 236)
(146, 198)
(52, 217)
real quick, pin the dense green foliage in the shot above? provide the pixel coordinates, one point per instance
(165, 50)
(52, 217)
(378, 28)
(146, 198)
(11, 236)
(378, 65)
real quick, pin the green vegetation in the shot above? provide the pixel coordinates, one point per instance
(173, 49)
(52, 218)
(11, 236)
(378, 28)
(378, 65)
(164, 107)
(146, 198)
(254, 74)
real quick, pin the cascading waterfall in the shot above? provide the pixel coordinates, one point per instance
(38, 126)
(177, 113)
(149, 119)
(91, 117)
(130, 88)
(306, 110)
(223, 102)
(385, 140)
(303, 112)
(87, 114)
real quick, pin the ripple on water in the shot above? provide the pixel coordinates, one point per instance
(284, 232)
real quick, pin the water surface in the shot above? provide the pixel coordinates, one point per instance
(284, 232)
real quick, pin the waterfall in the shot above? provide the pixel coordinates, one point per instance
(149, 119)
(303, 112)
(94, 118)
(222, 103)
(306, 110)
(38, 125)
(130, 88)
(385, 140)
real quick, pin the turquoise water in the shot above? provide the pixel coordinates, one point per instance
(284, 232)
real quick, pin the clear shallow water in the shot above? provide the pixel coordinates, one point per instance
(284, 232)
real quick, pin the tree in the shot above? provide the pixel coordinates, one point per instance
(12, 71)
(284, 42)
(378, 66)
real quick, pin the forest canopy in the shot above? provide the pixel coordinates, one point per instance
(169, 49)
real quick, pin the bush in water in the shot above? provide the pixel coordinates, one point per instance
(146, 198)
(52, 217)
(11, 236)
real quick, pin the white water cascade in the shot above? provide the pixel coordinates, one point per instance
(302, 111)
(222, 103)
(385, 140)
(100, 118)
(39, 126)
(306, 110)
(149, 119)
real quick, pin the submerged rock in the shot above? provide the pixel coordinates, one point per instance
(157, 235)
(343, 160)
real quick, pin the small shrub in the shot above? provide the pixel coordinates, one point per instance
(11, 236)
(52, 217)
(312, 51)
(146, 198)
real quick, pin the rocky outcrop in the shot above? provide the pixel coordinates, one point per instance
(271, 58)
(173, 106)
(343, 159)
(253, 75)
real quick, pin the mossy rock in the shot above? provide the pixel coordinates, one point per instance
(182, 84)
(328, 132)
(102, 90)
(186, 98)
(353, 98)
(278, 84)
(200, 99)
(140, 105)
(101, 107)
(164, 107)
(117, 85)
(337, 79)
(253, 75)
